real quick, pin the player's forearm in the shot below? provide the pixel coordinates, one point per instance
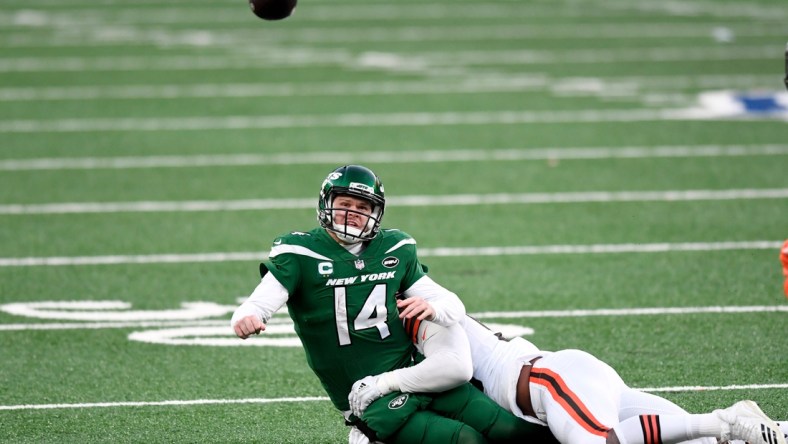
(265, 300)
(448, 308)
(447, 363)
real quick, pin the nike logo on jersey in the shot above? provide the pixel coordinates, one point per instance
(360, 279)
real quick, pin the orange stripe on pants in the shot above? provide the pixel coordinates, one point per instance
(568, 400)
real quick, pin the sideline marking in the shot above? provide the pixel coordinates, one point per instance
(454, 155)
(189, 402)
(404, 201)
(426, 252)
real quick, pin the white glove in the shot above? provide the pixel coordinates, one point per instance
(363, 393)
(357, 437)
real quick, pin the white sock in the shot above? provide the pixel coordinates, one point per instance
(669, 429)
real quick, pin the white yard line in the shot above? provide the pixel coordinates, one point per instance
(353, 120)
(161, 403)
(124, 15)
(86, 13)
(480, 315)
(404, 201)
(468, 84)
(426, 252)
(190, 402)
(295, 57)
(405, 156)
(626, 312)
(107, 35)
(111, 325)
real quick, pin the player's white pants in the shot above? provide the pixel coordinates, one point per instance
(581, 398)
(582, 411)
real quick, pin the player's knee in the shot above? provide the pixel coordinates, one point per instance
(468, 435)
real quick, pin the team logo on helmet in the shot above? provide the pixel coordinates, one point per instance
(361, 187)
(390, 262)
(398, 402)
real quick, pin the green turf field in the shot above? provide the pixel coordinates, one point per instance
(573, 167)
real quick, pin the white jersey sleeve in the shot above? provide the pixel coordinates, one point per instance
(268, 297)
(447, 362)
(497, 363)
(449, 309)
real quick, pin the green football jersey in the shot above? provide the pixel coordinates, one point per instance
(344, 307)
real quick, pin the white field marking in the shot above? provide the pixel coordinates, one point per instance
(470, 84)
(132, 259)
(277, 57)
(360, 12)
(464, 85)
(284, 320)
(402, 119)
(110, 36)
(696, 9)
(282, 335)
(426, 252)
(108, 325)
(89, 405)
(96, 324)
(112, 311)
(173, 14)
(189, 402)
(701, 388)
(413, 156)
(630, 312)
(403, 201)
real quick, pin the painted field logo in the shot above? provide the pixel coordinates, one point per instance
(390, 262)
(398, 402)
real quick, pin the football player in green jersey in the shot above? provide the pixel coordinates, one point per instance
(339, 282)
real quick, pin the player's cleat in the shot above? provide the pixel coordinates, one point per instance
(747, 422)
(784, 260)
(783, 425)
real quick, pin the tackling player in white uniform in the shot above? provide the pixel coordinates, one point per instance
(582, 399)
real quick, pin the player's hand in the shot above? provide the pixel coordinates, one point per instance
(248, 326)
(363, 393)
(357, 437)
(415, 307)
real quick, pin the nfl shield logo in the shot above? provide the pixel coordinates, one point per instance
(359, 264)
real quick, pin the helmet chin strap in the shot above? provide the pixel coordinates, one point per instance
(352, 236)
(349, 234)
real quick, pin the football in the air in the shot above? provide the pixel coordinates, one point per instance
(272, 9)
